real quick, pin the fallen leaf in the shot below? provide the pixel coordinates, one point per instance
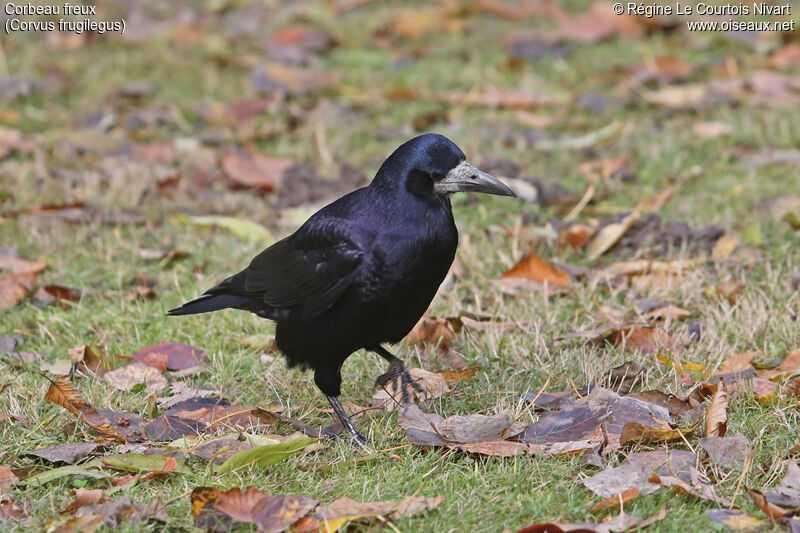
(606, 169)
(272, 513)
(42, 478)
(19, 281)
(634, 432)
(786, 57)
(728, 452)
(685, 96)
(270, 77)
(680, 486)
(179, 356)
(461, 375)
(608, 235)
(717, 414)
(623, 378)
(773, 512)
(650, 340)
(85, 497)
(256, 171)
(80, 524)
(499, 98)
(739, 361)
(151, 465)
(89, 359)
(724, 247)
(534, 268)
(7, 477)
(712, 130)
(431, 330)
(63, 392)
(615, 501)
(67, 453)
(789, 366)
(264, 456)
(129, 376)
(737, 521)
(637, 468)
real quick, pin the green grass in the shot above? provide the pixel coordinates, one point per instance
(480, 494)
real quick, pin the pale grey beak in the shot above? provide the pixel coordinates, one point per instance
(466, 178)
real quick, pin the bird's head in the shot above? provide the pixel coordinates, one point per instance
(432, 164)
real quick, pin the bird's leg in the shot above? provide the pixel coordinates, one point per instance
(397, 374)
(346, 422)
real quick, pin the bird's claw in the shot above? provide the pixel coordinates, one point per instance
(401, 380)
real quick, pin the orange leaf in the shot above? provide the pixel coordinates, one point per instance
(533, 267)
(717, 414)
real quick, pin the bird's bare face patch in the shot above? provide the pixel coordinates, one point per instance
(465, 178)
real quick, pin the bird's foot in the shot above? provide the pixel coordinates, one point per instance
(401, 380)
(358, 438)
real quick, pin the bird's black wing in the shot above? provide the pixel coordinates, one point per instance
(311, 268)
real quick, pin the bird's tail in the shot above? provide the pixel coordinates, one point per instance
(208, 303)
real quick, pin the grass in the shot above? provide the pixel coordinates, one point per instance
(487, 495)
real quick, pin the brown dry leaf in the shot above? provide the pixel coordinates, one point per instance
(717, 414)
(89, 359)
(85, 497)
(606, 169)
(680, 486)
(272, 76)
(352, 510)
(534, 268)
(724, 247)
(475, 433)
(19, 281)
(787, 494)
(80, 524)
(729, 452)
(433, 386)
(773, 512)
(272, 513)
(623, 378)
(645, 340)
(688, 96)
(7, 477)
(737, 521)
(431, 330)
(414, 24)
(607, 236)
(68, 453)
(578, 426)
(637, 469)
(461, 375)
(615, 501)
(129, 376)
(633, 432)
(63, 392)
(596, 24)
(179, 356)
(786, 57)
(727, 290)
(644, 266)
(712, 130)
(56, 294)
(499, 98)
(255, 170)
(789, 366)
(666, 312)
(737, 362)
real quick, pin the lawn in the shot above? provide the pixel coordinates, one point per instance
(124, 138)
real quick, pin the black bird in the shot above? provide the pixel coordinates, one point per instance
(362, 270)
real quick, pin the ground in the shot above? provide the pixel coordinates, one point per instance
(390, 85)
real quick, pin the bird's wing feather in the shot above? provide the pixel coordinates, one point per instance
(311, 267)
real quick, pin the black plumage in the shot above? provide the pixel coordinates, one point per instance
(363, 269)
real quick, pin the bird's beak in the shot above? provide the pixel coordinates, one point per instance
(466, 178)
